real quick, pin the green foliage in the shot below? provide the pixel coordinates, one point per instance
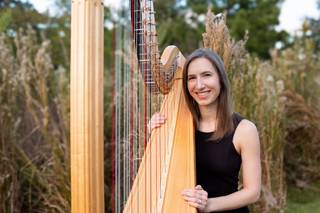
(173, 29)
(22, 13)
(304, 199)
(189, 23)
(180, 34)
(5, 19)
(57, 30)
(262, 33)
(108, 41)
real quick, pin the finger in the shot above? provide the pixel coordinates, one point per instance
(186, 190)
(155, 126)
(201, 191)
(161, 117)
(160, 121)
(195, 199)
(191, 199)
(196, 205)
(189, 193)
(195, 193)
(199, 186)
(158, 115)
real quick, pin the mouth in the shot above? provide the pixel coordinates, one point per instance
(203, 94)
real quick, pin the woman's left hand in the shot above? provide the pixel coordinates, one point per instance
(196, 197)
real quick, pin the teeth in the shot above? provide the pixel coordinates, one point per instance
(203, 92)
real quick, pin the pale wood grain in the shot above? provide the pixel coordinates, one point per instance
(87, 195)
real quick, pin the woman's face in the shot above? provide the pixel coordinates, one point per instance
(203, 82)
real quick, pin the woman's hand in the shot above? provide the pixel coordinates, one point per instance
(196, 197)
(156, 121)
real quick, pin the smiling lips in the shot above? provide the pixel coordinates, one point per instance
(203, 94)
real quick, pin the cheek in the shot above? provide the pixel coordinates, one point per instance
(219, 89)
(190, 85)
(218, 86)
(213, 83)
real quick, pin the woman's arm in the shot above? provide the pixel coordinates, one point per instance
(246, 141)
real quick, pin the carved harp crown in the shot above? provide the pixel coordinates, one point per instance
(168, 164)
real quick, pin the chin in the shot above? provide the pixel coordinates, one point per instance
(204, 103)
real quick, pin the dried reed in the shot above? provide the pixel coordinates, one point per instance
(299, 68)
(34, 130)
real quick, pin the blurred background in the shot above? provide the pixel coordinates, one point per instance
(275, 80)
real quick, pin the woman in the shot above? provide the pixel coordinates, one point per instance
(224, 140)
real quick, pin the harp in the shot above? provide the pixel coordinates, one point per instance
(167, 165)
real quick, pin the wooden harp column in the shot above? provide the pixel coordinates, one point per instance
(87, 182)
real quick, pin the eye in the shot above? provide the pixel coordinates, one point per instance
(190, 78)
(207, 74)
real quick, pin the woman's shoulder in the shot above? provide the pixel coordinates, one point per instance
(246, 133)
(242, 122)
(247, 126)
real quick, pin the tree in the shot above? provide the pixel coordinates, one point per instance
(182, 22)
(58, 31)
(19, 14)
(174, 28)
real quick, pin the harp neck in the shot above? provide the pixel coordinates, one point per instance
(145, 38)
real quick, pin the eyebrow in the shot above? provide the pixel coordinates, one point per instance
(207, 71)
(204, 72)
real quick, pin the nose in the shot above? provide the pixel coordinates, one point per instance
(199, 83)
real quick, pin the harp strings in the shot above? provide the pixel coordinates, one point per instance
(127, 92)
(136, 98)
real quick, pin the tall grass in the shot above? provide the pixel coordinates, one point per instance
(34, 127)
(299, 67)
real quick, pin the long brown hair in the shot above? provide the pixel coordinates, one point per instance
(224, 103)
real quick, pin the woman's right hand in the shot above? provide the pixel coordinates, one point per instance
(156, 121)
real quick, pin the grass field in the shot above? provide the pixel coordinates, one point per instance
(304, 200)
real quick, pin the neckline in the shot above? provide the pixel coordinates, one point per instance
(212, 132)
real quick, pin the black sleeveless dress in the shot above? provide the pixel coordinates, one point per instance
(218, 164)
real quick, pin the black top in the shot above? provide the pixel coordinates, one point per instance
(218, 164)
